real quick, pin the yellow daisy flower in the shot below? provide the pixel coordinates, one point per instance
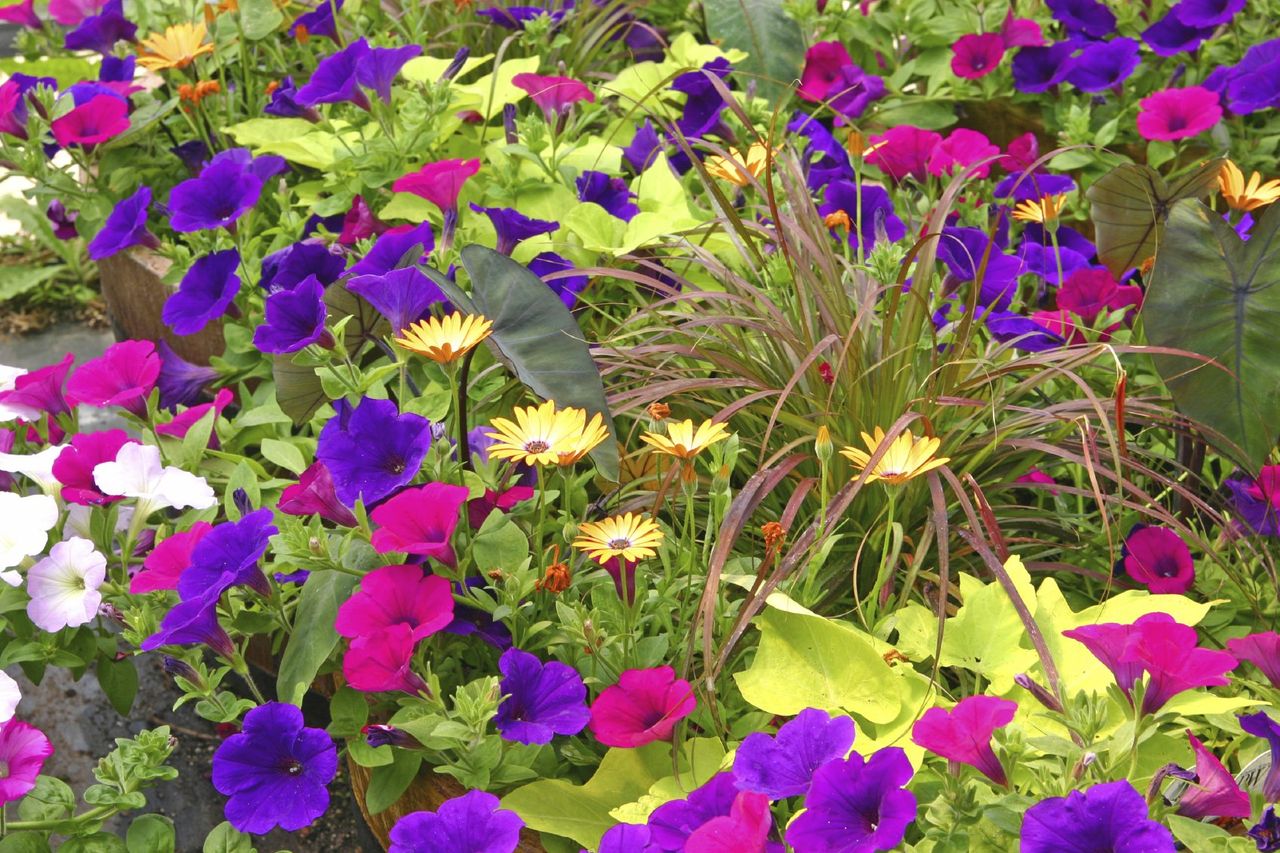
(1046, 209)
(906, 458)
(683, 441)
(737, 170)
(584, 442)
(629, 537)
(446, 339)
(177, 47)
(1242, 196)
(539, 434)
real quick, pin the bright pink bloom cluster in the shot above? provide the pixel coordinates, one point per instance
(908, 151)
(642, 707)
(420, 521)
(963, 734)
(1178, 113)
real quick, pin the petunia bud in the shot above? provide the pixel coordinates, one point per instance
(181, 669)
(376, 735)
(1037, 690)
(455, 66)
(509, 124)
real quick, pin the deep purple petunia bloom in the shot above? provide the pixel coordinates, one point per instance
(1036, 69)
(334, 79)
(1032, 186)
(392, 250)
(229, 554)
(856, 805)
(100, 32)
(1262, 650)
(126, 226)
(275, 771)
(672, 823)
(1111, 816)
(965, 251)
(643, 148)
(194, 622)
(516, 17)
(222, 193)
(1084, 17)
(542, 699)
(878, 219)
(610, 193)
(379, 67)
(180, 382)
(703, 102)
(294, 319)
(314, 494)
(1253, 83)
(1257, 500)
(263, 167)
(1207, 13)
(628, 838)
(284, 103)
(1261, 725)
(853, 91)
(206, 292)
(567, 287)
(1156, 557)
(514, 227)
(1025, 334)
(122, 376)
(472, 823)
(371, 450)
(403, 296)
(284, 269)
(1104, 65)
(964, 733)
(318, 22)
(1214, 792)
(824, 158)
(783, 766)
(116, 69)
(1038, 256)
(1266, 832)
(1169, 36)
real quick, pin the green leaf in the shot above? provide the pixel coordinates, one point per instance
(388, 782)
(17, 279)
(225, 838)
(499, 544)
(581, 812)
(1129, 207)
(99, 842)
(65, 69)
(259, 18)
(1197, 835)
(1213, 294)
(284, 454)
(808, 661)
(313, 637)
(150, 833)
(496, 90)
(348, 712)
(985, 635)
(931, 115)
(772, 39)
(427, 69)
(25, 842)
(296, 140)
(119, 680)
(299, 391)
(50, 799)
(536, 337)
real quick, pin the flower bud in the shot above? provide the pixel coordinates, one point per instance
(455, 66)
(1042, 695)
(822, 444)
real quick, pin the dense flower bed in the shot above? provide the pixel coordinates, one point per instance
(814, 426)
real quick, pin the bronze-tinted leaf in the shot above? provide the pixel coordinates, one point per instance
(298, 389)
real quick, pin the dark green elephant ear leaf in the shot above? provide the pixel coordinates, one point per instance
(536, 337)
(366, 324)
(1130, 205)
(772, 40)
(1217, 296)
(298, 389)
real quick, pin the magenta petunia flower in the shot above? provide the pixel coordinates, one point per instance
(555, 96)
(70, 13)
(39, 392)
(192, 415)
(977, 55)
(783, 766)
(74, 466)
(961, 149)
(642, 707)
(1020, 32)
(439, 182)
(542, 699)
(23, 750)
(1111, 816)
(1091, 292)
(382, 662)
(22, 14)
(903, 151)
(165, 564)
(1214, 792)
(822, 64)
(745, 829)
(478, 509)
(420, 521)
(122, 376)
(1157, 558)
(103, 117)
(1178, 113)
(857, 805)
(471, 823)
(397, 595)
(963, 734)
(1262, 650)
(314, 494)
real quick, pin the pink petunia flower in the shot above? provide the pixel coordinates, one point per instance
(478, 509)
(1262, 650)
(99, 119)
(166, 562)
(420, 521)
(75, 463)
(1178, 113)
(963, 734)
(71, 13)
(1157, 558)
(903, 151)
(23, 750)
(192, 415)
(38, 392)
(1020, 32)
(977, 55)
(439, 182)
(23, 14)
(822, 65)
(745, 829)
(315, 494)
(1035, 476)
(1214, 793)
(555, 96)
(382, 662)
(1022, 152)
(122, 376)
(961, 149)
(397, 595)
(642, 707)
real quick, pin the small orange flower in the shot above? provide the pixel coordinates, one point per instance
(301, 34)
(272, 86)
(195, 93)
(659, 411)
(838, 219)
(774, 534)
(557, 577)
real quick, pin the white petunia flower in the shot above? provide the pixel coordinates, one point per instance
(8, 377)
(25, 523)
(64, 585)
(10, 695)
(36, 466)
(137, 473)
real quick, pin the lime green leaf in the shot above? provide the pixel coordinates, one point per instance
(985, 634)
(407, 206)
(150, 833)
(65, 69)
(701, 758)
(599, 230)
(808, 661)
(296, 140)
(496, 90)
(225, 838)
(284, 454)
(427, 69)
(259, 18)
(313, 638)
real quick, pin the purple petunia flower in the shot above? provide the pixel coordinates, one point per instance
(1169, 36)
(1083, 17)
(610, 193)
(403, 296)
(1266, 832)
(965, 250)
(672, 823)
(567, 287)
(62, 220)
(275, 771)
(783, 766)
(319, 21)
(100, 32)
(542, 699)
(1110, 816)
(628, 838)
(1253, 83)
(825, 159)
(180, 382)
(1207, 13)
(472, 823)
(857, 805)
(1257, 500)
(703, 102)
(206, 292)
(228, 555)
(1261, 725)
(393, 250)
(1104, 65)
(878, 219)
(853, 91)
(1032, 186)
(222, 193)
(286, 268)
(334, 79)
(643, 148)
(1024, 333)
(516, 17)
(284, 103)
(126, 226)
(115, 69)
(294, 319)
(371, 450)
(1036, 69)
(514, 227)
(377, 69)
(194, 622)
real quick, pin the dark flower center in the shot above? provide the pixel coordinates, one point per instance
(536, 446)
(1177, 122)
(292, 766)
(396, 465)
(1165, 567)
(619, 544)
